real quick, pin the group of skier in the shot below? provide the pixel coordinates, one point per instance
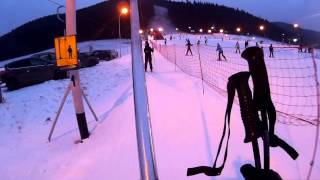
(307, 49)
(148, 50)
(220, 50)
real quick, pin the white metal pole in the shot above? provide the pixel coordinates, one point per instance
(1, 98)
(147, 163)
(71, 29)
(318, 115)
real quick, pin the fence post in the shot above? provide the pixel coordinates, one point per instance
(175, 58)
(167, 51)
(1, 98)
(198, 48)
(318, 115)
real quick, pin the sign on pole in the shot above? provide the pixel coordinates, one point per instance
(66, 51)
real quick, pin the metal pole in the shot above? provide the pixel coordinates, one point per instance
(318, 115)
(1, 98)
(59, 111)
(198, 47)
(71, 29)
(147, 163)
(119, 28)
(90, 107)
(256, 154)
(175, 57)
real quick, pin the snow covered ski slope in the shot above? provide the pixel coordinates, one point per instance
(186, 124)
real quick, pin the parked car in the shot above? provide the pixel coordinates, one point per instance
(47, 56)
(30, 71)
(105, 54)
(2, 70)
(85, 60)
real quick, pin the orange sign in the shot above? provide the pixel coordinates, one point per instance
(66, 51)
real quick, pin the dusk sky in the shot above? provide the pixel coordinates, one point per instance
(14, 13)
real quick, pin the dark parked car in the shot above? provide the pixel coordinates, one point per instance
(85, 60)
(47, 56)
(105, 54)
(30, 71)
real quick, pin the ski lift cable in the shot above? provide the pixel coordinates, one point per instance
(58, 13)
(56, 3)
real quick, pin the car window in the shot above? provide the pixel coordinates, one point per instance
(37, 62)
(20, 64)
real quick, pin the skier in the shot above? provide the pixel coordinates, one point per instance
(165, 41)
(271, 51)
(238, 47)
(170, 37)
(148, 58)
(198, 43)
(219, 49)
(188, 47)
(206, 40)
(300, 48)
(246, 44)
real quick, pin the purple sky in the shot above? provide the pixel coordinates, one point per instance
(304, 12)
(14, 13)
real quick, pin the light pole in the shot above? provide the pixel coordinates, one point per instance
(123, 11)
(221, 32)
(238, 29)
(261, 27)
(283, 37)
(296, 30)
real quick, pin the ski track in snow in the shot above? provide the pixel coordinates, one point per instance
(187, 127)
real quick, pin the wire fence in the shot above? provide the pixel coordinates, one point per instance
(291, 75)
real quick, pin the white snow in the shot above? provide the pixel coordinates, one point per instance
(187, 127)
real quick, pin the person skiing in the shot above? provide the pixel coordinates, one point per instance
(219, 49)
(188, 47)
(300, 48)
(165, 41)
(238, 47)
(271, 51)
(148, 58)
(206, 40)
(170, 37)
(198, 43)
(246, 44)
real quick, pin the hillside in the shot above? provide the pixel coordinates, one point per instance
(100, 21)
(308, 36)
(205, 15)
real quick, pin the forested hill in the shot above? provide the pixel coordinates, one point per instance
(205, 15)
(99, 21)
